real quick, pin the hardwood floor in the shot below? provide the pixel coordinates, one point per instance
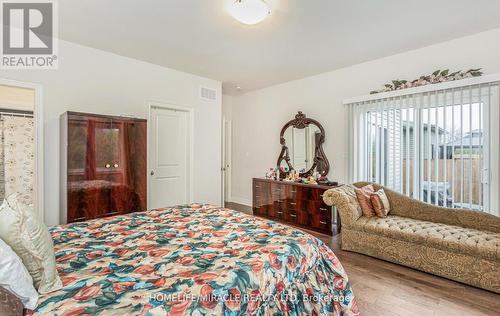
(239, 207)
(384, 288)
(387, 289)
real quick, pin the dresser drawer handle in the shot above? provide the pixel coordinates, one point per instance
(293, 191)
(257, 186)
(323, 209)
(293, 203)
(293, 215)
(280, 212)
(324, 223)
(257, 196)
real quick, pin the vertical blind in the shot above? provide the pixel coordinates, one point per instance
(438, 146)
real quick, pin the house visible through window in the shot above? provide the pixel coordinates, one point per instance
(438, 146)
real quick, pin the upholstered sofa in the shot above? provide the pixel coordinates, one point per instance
(457, 244)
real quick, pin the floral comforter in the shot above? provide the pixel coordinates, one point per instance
(194, 260)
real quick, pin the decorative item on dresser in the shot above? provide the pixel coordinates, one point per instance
(296, 204)
(103, 166)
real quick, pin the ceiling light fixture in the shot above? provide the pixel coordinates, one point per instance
(249, 11)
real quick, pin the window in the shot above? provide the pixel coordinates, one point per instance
(436, 145)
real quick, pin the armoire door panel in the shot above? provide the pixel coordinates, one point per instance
(106, 165)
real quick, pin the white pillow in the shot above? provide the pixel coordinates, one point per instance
(30, 239)
(15, 278)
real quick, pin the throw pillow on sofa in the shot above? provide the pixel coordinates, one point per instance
(363, 194)
(380, 203)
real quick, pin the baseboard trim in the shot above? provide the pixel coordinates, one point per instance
(242, 201)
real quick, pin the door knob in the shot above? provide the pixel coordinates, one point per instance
(115, 165)
(152, 172)
(108, 166)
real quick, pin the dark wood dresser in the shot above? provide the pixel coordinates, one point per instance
(103, 166)
(295, 204)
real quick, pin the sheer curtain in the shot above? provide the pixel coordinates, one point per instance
(17, 154)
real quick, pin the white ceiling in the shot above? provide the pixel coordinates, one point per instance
(300, 38)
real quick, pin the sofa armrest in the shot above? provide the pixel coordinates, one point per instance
(344, 198)
(404, 206)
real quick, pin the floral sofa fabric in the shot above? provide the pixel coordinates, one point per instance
(458, 244)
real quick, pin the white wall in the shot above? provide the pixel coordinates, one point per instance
(258, 116)
(94, 81)
(227, 106)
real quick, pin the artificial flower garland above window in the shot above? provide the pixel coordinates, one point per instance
(436, 77)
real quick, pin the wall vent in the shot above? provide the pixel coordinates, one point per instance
(208, 94)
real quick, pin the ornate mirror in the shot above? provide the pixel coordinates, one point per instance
(301, 146)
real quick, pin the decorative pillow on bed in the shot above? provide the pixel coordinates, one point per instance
(363, 195)
(31, 241)
(380, 203)
(15, 278)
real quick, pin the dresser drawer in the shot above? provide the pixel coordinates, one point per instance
(320, 209)
(278, 192)
(297, 217)
(322, 223)
(296, 205)
(309, 206)
(279, 210)
(262, 202)
(260, 186)
(260, 210)
(317, 195)
(321, 215)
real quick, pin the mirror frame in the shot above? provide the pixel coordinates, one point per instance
(301, 122)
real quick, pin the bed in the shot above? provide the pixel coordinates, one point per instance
(194, 260)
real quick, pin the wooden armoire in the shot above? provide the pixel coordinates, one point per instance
(103, 166)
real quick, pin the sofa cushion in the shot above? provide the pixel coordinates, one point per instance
(474, 242)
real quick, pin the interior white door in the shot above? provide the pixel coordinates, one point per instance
(169, 143)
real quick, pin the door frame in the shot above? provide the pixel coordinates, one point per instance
(39, 154)
(190, 164)
(226, 159)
